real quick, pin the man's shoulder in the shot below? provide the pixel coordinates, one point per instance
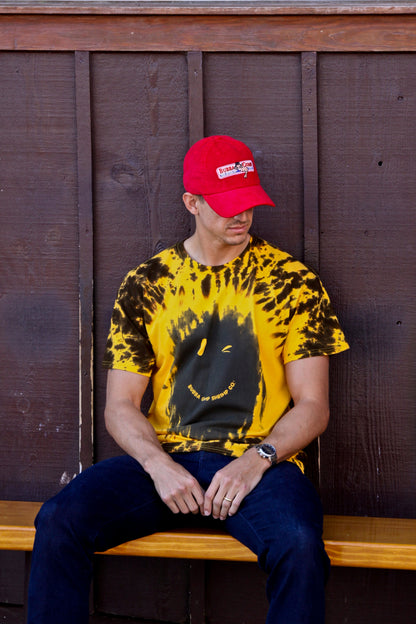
(160, 265)
(276, 260)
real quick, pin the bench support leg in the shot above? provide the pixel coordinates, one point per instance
(197, 592)
(28, 562)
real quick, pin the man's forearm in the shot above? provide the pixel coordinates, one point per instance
(298, 428)
(129, 427)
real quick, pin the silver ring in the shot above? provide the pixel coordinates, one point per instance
(230, 500)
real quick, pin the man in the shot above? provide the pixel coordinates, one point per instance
(235, 336)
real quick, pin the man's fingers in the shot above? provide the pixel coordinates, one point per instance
(172, 506)
(230, 504)
(235, 504)
(210, 496)
(225, 504)
(219, 498)
(180, 491)
(230, 486)
(225, 507)
(191, 499)
(192, 503)
(183, 504)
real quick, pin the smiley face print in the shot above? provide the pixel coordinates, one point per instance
(217, 377)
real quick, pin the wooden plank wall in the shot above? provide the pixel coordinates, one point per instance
(97, 109)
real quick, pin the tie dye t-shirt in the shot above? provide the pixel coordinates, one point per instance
(215, 340)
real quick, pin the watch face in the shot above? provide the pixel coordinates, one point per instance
(268, 449)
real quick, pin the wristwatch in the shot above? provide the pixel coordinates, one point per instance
(267, 451)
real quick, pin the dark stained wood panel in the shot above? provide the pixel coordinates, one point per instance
(152, 589)
(227, 33)
(224, 600)
(368, 595)
(310, 160)
(257, 99)
(86, 268)
(39, 276)
(205, 7)
(334, 138)
(195, 96)
(11, 577)
(368, 259)
(140, 136)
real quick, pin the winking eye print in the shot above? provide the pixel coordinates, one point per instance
(217, 378)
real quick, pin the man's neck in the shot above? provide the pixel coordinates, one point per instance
(213, 255)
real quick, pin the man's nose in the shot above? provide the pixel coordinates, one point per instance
(242, 218)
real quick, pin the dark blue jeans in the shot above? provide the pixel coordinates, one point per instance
(115, 501)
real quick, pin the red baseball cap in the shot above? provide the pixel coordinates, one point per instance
(222, 170)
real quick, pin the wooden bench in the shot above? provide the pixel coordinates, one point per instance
(349, 540)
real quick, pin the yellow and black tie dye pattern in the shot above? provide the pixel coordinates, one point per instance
(215, 341)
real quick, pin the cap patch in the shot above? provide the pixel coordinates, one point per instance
(236, 168)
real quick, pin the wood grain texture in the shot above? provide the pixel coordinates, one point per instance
(151, 589)
(383, 33)
(140, 112)
(350, 540)
(368, 260)
(214, 7)
(39, 275)
(86, 267)
(253, 87)
(270, 124)
(195, 96)
(12, 574)
(310, 160)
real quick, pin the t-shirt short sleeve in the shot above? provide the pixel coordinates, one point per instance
(128, 346)
(314, 329)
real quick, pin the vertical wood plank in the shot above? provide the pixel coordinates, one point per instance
(197, 592)
(310, 159)
(144, 589)
(39, 275)
(140, 113)
(28, 563)
(310, 200)
(257, 98)
(195, 96)
(235, 592)
(368, 263)
(85, 224)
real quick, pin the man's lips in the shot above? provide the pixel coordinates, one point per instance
(239, 227)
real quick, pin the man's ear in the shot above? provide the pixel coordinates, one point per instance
(191, 202)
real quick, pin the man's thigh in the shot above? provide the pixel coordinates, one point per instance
(112, 502)
(282, 506)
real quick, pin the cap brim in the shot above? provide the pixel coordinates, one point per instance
(234, 202)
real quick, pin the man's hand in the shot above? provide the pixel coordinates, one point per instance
(132, 431)
(308, 384)
(177, 488)
(232, 483)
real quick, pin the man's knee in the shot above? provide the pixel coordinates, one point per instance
(58, 516)
(299, 545)
(47, 516)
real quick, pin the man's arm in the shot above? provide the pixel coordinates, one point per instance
(308, 384)
(130, 428)
(307, 380)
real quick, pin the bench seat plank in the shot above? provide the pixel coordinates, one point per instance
(365, 542)
(183, 544)
(16, 524)
(349, 540)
